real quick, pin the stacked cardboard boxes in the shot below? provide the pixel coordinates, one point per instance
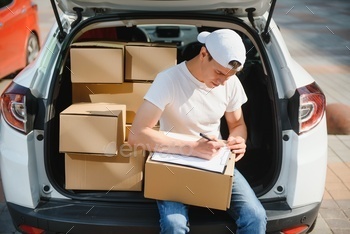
(109, 81)
(140, 65)
(96, 155)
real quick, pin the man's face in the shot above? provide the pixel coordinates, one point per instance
(214, 74)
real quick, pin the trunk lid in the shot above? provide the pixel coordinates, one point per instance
(237, 7)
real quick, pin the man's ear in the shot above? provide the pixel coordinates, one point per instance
(203, 53)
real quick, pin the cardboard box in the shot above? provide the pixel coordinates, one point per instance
(165, 181)
(129, 94)
(145, 61)
(97, 62)
(93, 128)
(88, 172)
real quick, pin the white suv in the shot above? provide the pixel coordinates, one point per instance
(286, 156)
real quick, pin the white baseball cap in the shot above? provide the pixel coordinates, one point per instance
(224, 45)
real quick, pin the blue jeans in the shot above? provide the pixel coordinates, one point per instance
(246, 210)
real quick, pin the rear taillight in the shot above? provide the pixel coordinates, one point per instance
(17, 107)
(30, 230)
(307, 108)
(295, 230)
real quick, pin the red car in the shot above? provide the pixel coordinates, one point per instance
(19, 35)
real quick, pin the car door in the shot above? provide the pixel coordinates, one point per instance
(12, 34)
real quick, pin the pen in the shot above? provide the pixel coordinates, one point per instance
(205, 136)
(209, 139)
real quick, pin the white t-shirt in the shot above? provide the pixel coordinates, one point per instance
(188, 105)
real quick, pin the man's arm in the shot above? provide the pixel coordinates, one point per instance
(143, 135)
(237, 132)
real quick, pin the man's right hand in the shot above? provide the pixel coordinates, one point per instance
(207, 149)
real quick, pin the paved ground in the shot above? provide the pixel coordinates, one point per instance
(317, 35)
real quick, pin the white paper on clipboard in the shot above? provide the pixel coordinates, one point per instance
(216, 164)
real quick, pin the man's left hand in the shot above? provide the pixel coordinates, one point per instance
(237, 145)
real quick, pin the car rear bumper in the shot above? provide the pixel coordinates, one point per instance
(57, 216)
(96, 217)
(280, 219)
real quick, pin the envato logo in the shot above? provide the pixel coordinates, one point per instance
(127, 150)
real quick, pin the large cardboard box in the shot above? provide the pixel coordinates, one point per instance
(93, 128)
(166, 181)
(97, 62)
(145, 61)
(123, 172)
(129, 94)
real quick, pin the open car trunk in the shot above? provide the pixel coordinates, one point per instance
(260, 165)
